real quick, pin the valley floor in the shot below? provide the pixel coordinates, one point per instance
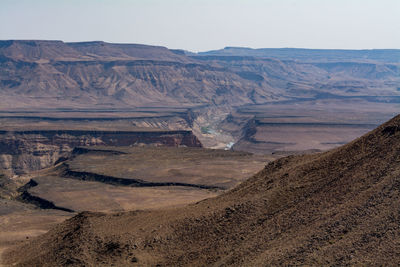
(95, 179)
(147, 177)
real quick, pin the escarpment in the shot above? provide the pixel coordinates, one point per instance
(335, 208)
(24, 151)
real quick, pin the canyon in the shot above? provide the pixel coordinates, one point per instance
(26, 151)
(218, 95)
(334, 208)
(96, 131)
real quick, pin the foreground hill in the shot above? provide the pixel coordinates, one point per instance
(116, 179)
(335, 208)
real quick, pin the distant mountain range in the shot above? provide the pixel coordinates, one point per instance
(54, 74)
(312, 55)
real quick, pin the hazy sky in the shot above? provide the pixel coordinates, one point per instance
(200, 25)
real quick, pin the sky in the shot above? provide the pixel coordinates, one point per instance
(201, 25)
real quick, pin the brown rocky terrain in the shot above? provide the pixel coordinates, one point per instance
(25, 151)
(105, 80)
(37, 139)
(56, 96)
(97, 74)
(115, 179)
(334, 208)
(309, 126)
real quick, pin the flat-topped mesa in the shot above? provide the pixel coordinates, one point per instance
(33, 50)
(24, 151)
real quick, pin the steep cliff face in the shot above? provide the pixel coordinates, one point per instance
(97, 73)
(313, 80)
(24, 151)
(90, 74)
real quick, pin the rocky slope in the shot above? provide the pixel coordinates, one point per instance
(102, 76)
(302, 80)
(334, 208)
(98, 74)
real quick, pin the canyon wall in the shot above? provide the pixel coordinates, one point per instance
(25, 151)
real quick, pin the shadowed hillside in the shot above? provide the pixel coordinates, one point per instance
(335, 208)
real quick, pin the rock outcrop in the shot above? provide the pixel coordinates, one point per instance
(337, 208)
(94, 74)
(24, 151)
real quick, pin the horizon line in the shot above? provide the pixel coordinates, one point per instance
(187, 50)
